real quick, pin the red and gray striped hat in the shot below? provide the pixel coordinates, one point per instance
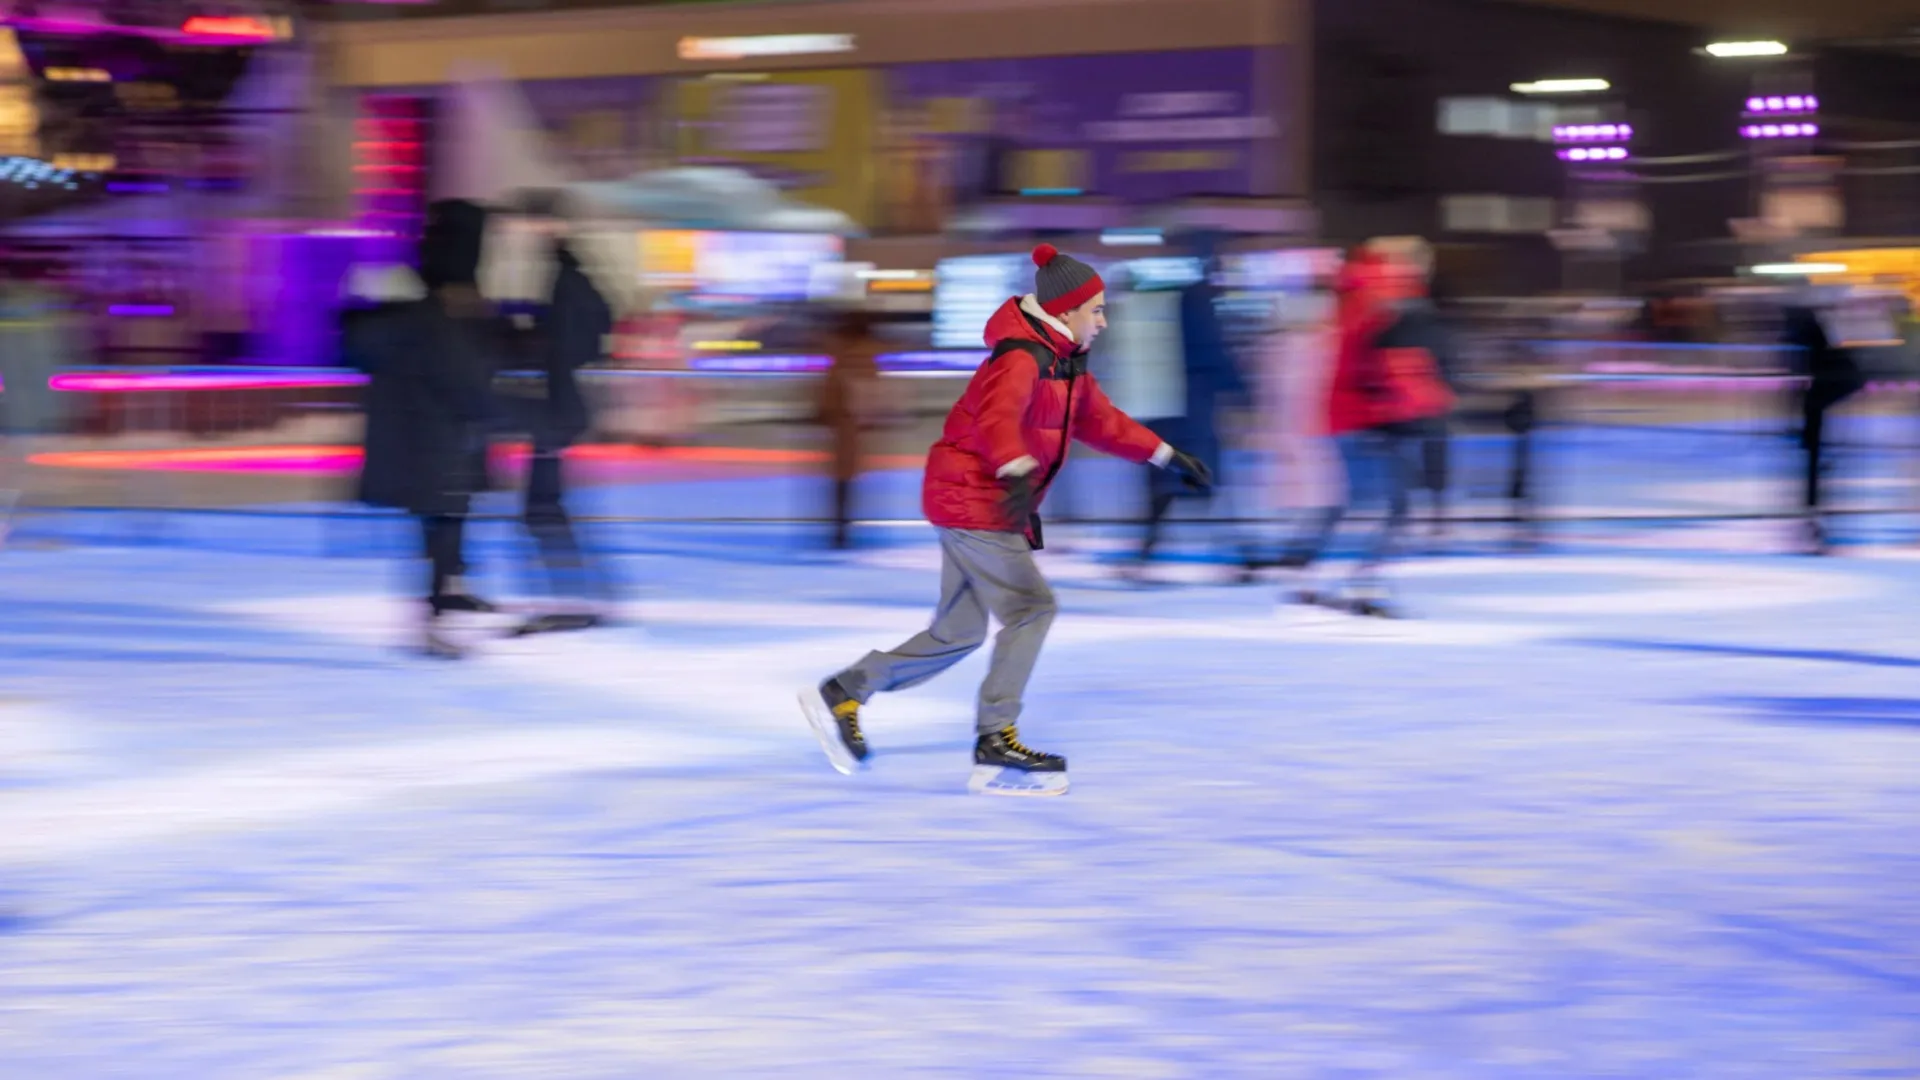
(1062, 282)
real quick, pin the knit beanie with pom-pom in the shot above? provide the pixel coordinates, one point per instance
(1062, 282)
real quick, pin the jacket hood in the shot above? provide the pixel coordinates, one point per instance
(1020, 317)
(451, 243)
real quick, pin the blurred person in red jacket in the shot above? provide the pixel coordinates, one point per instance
(1420, 319)
(1388, 395)
(1004, 442)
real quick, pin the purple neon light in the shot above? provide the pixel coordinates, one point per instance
(936, 360)
(1790, 103)
(760, 365)
(140, 311)
(1589, 133)
(1595, 153)
(1780, 131)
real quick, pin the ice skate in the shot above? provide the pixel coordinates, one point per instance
(1374, 609)
(556, 622)
(1813, 539)
(1003, 766)
(465, 603)
(453, 596)
(1302, 588)
(1369, 600)
(435, 643)
(835, 718)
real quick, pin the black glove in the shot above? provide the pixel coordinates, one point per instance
(1017, 502)
(1191, 470)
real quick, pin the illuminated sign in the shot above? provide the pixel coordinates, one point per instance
(238, 26)
(743, 48)
(1562, 86)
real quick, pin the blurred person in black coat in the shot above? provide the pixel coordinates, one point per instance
(1821, 355)
(1209, 373)
(431, 355)
(568, 335)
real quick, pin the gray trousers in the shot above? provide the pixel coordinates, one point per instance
(980, 573)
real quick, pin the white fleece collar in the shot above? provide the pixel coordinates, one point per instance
(1031, 305)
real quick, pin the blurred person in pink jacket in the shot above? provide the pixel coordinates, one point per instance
(1306, 476)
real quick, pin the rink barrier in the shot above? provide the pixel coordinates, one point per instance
(155, 405)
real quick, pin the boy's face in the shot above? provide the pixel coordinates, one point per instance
(1087, 320)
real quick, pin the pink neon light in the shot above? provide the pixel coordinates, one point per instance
(601, 460)
(97, 383)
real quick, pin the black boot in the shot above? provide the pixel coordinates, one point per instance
(835, 717)
(462, 602)
(1002, 765)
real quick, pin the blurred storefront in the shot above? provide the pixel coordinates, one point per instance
(895, 117)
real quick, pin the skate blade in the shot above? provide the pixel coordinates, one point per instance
(436, 648)
(1337, 623)
(555, 623)
(1297, 612)
(827, 732)
(1000, 780)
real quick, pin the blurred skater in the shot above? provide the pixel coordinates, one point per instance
(1204, 372)
(431, 347)
(1306, 477)
(1419, 323)
(850, 409)
(570, 334)
(1386, 392)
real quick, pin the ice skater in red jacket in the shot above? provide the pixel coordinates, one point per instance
(1003, 444)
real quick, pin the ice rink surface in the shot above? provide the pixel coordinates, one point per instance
(1629, 810)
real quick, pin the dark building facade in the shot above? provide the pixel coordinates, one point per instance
(1417, 130)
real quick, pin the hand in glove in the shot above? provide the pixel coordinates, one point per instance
(1191, 470)
(1017, 502)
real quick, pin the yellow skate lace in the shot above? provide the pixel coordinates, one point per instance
(848, 713)
(1012, 738)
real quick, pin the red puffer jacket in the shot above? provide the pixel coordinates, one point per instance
(1381, 378)
(1014, 409)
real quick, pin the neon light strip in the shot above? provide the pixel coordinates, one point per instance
(341, 459)
(101, 383)
(740, 48)
(938, 360)
(188, 379)
(759, 365)
(140, 311)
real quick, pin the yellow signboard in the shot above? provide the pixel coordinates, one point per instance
(810, 132)
(669, 258)
(1897, 267)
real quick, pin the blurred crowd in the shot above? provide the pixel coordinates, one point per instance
(1348, 389)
